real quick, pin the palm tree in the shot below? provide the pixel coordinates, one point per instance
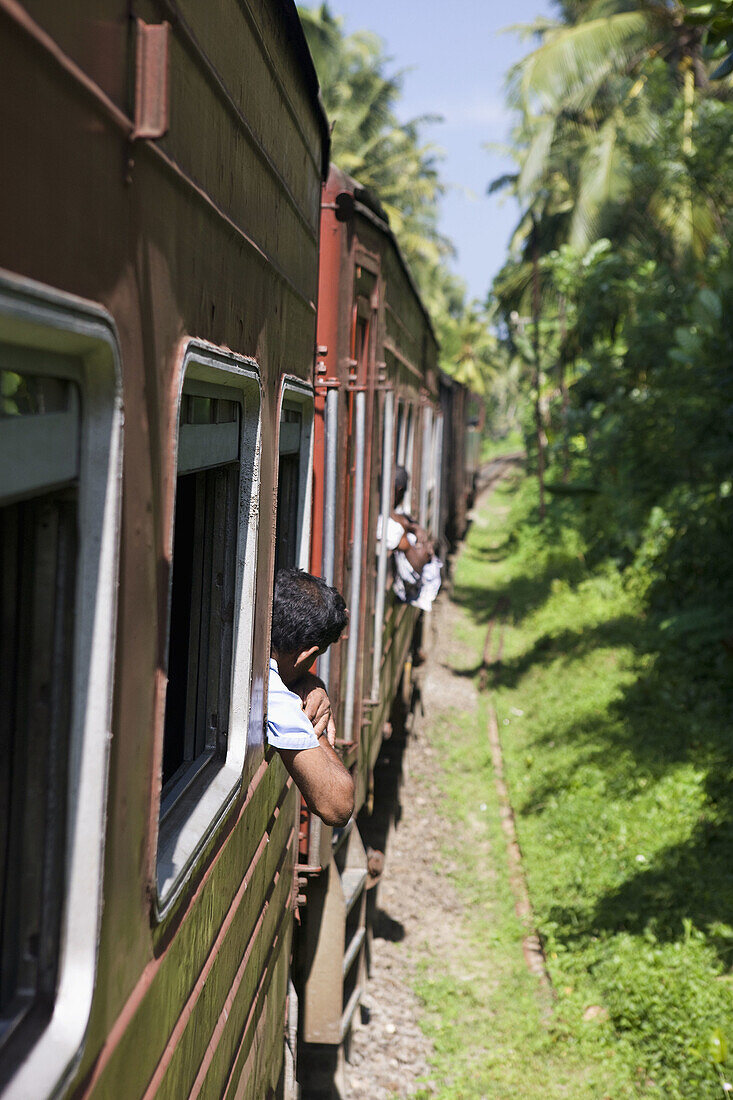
(593, 90)
(369, 142)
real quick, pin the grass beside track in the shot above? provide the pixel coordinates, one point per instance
(619, 762)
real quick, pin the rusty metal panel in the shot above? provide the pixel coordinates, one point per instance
(94, 35)
(151, 80)
(169, 253)
(333, 951)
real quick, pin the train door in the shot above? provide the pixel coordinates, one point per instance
(60, 452)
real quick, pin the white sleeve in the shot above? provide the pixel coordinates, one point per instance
(395, 531)
(288, 726)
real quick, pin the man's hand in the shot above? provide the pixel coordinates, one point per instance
(316, 705)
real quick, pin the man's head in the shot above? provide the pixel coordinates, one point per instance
(307, 617)
(400, 484)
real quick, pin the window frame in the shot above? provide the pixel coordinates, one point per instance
(41, 319)
(295, 392)
(406, 415)
(203, 799)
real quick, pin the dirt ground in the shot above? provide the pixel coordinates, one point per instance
(415, 907)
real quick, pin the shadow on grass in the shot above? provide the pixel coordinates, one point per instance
(624, 630)
(526, 592)
(675, 711)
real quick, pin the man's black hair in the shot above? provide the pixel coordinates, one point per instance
(305, 612)
(401, 478)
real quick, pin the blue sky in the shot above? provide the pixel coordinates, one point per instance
(457, 59)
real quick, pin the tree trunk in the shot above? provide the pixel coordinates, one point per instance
(563, 386)
(537, 374)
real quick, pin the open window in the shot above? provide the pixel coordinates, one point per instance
(405, 448)
(60, 443)
(427, 473)
(437, 468)
(391, 428)
(294, 484)
(211, 606)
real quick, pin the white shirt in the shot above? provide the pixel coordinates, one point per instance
(288, 726)
(395, 531)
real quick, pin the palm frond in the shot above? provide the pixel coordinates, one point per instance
(572, 63)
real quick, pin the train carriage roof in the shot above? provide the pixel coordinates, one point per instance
(368, 206)
(297, 37)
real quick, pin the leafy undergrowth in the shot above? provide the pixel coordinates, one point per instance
(496, 448)
(619, 762)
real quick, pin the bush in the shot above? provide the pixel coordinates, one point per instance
(666, 1009)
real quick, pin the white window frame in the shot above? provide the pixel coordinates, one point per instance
(186, 827)
(437, 473)
(296, 393)
(389, 433)
(405, 447)
(38, 318)
(427, 468)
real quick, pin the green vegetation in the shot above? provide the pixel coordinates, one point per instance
(481, 1007)
(617, 297)
(361, 93)
(607, 337)
(619, 762)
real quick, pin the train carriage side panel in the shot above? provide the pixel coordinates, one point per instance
(376, 349)
(209, 233)
(410, 357)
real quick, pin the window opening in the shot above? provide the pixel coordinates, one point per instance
(287, 537)
(38, 561)
(208, 724)
(361, 340)
(202, 588)
(60, 450)
(399, 433)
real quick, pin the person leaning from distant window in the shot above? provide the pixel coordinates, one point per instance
(403, 533)
(307, 617)
(415, 567)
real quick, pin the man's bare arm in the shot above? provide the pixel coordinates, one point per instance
(322, 779)
(418, 554)
(316, 705)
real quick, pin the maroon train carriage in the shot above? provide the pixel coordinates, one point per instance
(376, 406)
(161, 185)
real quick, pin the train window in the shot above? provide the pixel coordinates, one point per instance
(292, 536)
(211, 606)
(399, 433)
(60, 434)
(404, 448)
(427, 473)
(37, 573)
(435, 527)
(202, 592)
(288, 484)
(391, 427)
(409, 457)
